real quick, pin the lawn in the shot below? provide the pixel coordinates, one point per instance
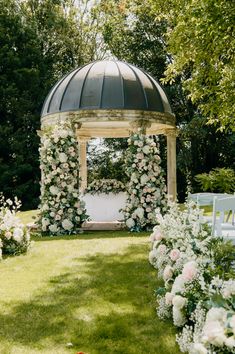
(94, 291)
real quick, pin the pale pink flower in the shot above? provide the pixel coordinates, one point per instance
(157, 236)
(190, 271)
(8, 235)
(174, 254)
(167, 273)
(161, 249)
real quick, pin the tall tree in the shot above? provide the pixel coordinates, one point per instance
(201, 37)
(40, 41)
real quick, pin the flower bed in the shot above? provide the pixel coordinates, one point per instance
(199, 286)
(14, 237)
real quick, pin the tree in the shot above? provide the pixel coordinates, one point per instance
(201, 38)
(40, 42)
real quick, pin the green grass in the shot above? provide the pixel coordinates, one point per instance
(28, 216)
(95, 290)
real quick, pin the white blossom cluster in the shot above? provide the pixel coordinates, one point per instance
(61, 210)
(200, 302)
(146, 189)
(105, 186)
(14, 237)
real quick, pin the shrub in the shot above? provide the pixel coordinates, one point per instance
(14, 237)
(220, 180)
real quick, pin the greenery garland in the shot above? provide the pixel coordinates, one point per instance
(105, 186)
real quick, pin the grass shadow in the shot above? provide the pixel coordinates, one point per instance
(89, 235)
(103, 304)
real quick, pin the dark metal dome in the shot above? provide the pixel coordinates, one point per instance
(106, 84)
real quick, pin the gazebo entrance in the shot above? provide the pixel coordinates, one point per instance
(112, 99)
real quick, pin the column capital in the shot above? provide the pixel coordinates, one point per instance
(172, 133)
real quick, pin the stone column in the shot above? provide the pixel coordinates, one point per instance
(171, 164)
(83, 162)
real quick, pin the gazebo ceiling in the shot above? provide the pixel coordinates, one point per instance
(108, 95)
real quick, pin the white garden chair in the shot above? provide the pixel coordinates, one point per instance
(223, 223)
(203, 199)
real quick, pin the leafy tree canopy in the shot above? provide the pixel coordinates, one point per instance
(201, 38)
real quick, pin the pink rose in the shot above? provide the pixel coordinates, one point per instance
(190, 271)
(161, 249)
(157, 236)
(174, 254)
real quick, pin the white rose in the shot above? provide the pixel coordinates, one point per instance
(53, 228)
(198, 348)
(213, 333)
(179, 301)
(63, 157)
(168, 298)
(18, 234)
(216, 314)
(178, 285)
(45, 222)
(130, 223)
(146, 149)
(54, 190)
(230, 342)
(67, 224)
(139, 212)
(144, 179)
(63, 134)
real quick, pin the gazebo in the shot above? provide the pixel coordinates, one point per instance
(110, 99)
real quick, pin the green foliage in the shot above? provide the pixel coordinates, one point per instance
(221, 180)
(106, 160)
(224, 255)
(40, 42)
(201, 39)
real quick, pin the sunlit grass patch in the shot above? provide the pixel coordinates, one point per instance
(93, 290)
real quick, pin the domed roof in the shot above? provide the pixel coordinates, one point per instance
(106, 84)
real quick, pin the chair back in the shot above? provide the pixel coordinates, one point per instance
(206, 198)
(221, 206)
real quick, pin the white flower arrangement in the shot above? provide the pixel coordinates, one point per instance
(61, 210)
(14, 236)
(105, 186)
(200, 302)
(146, 190)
